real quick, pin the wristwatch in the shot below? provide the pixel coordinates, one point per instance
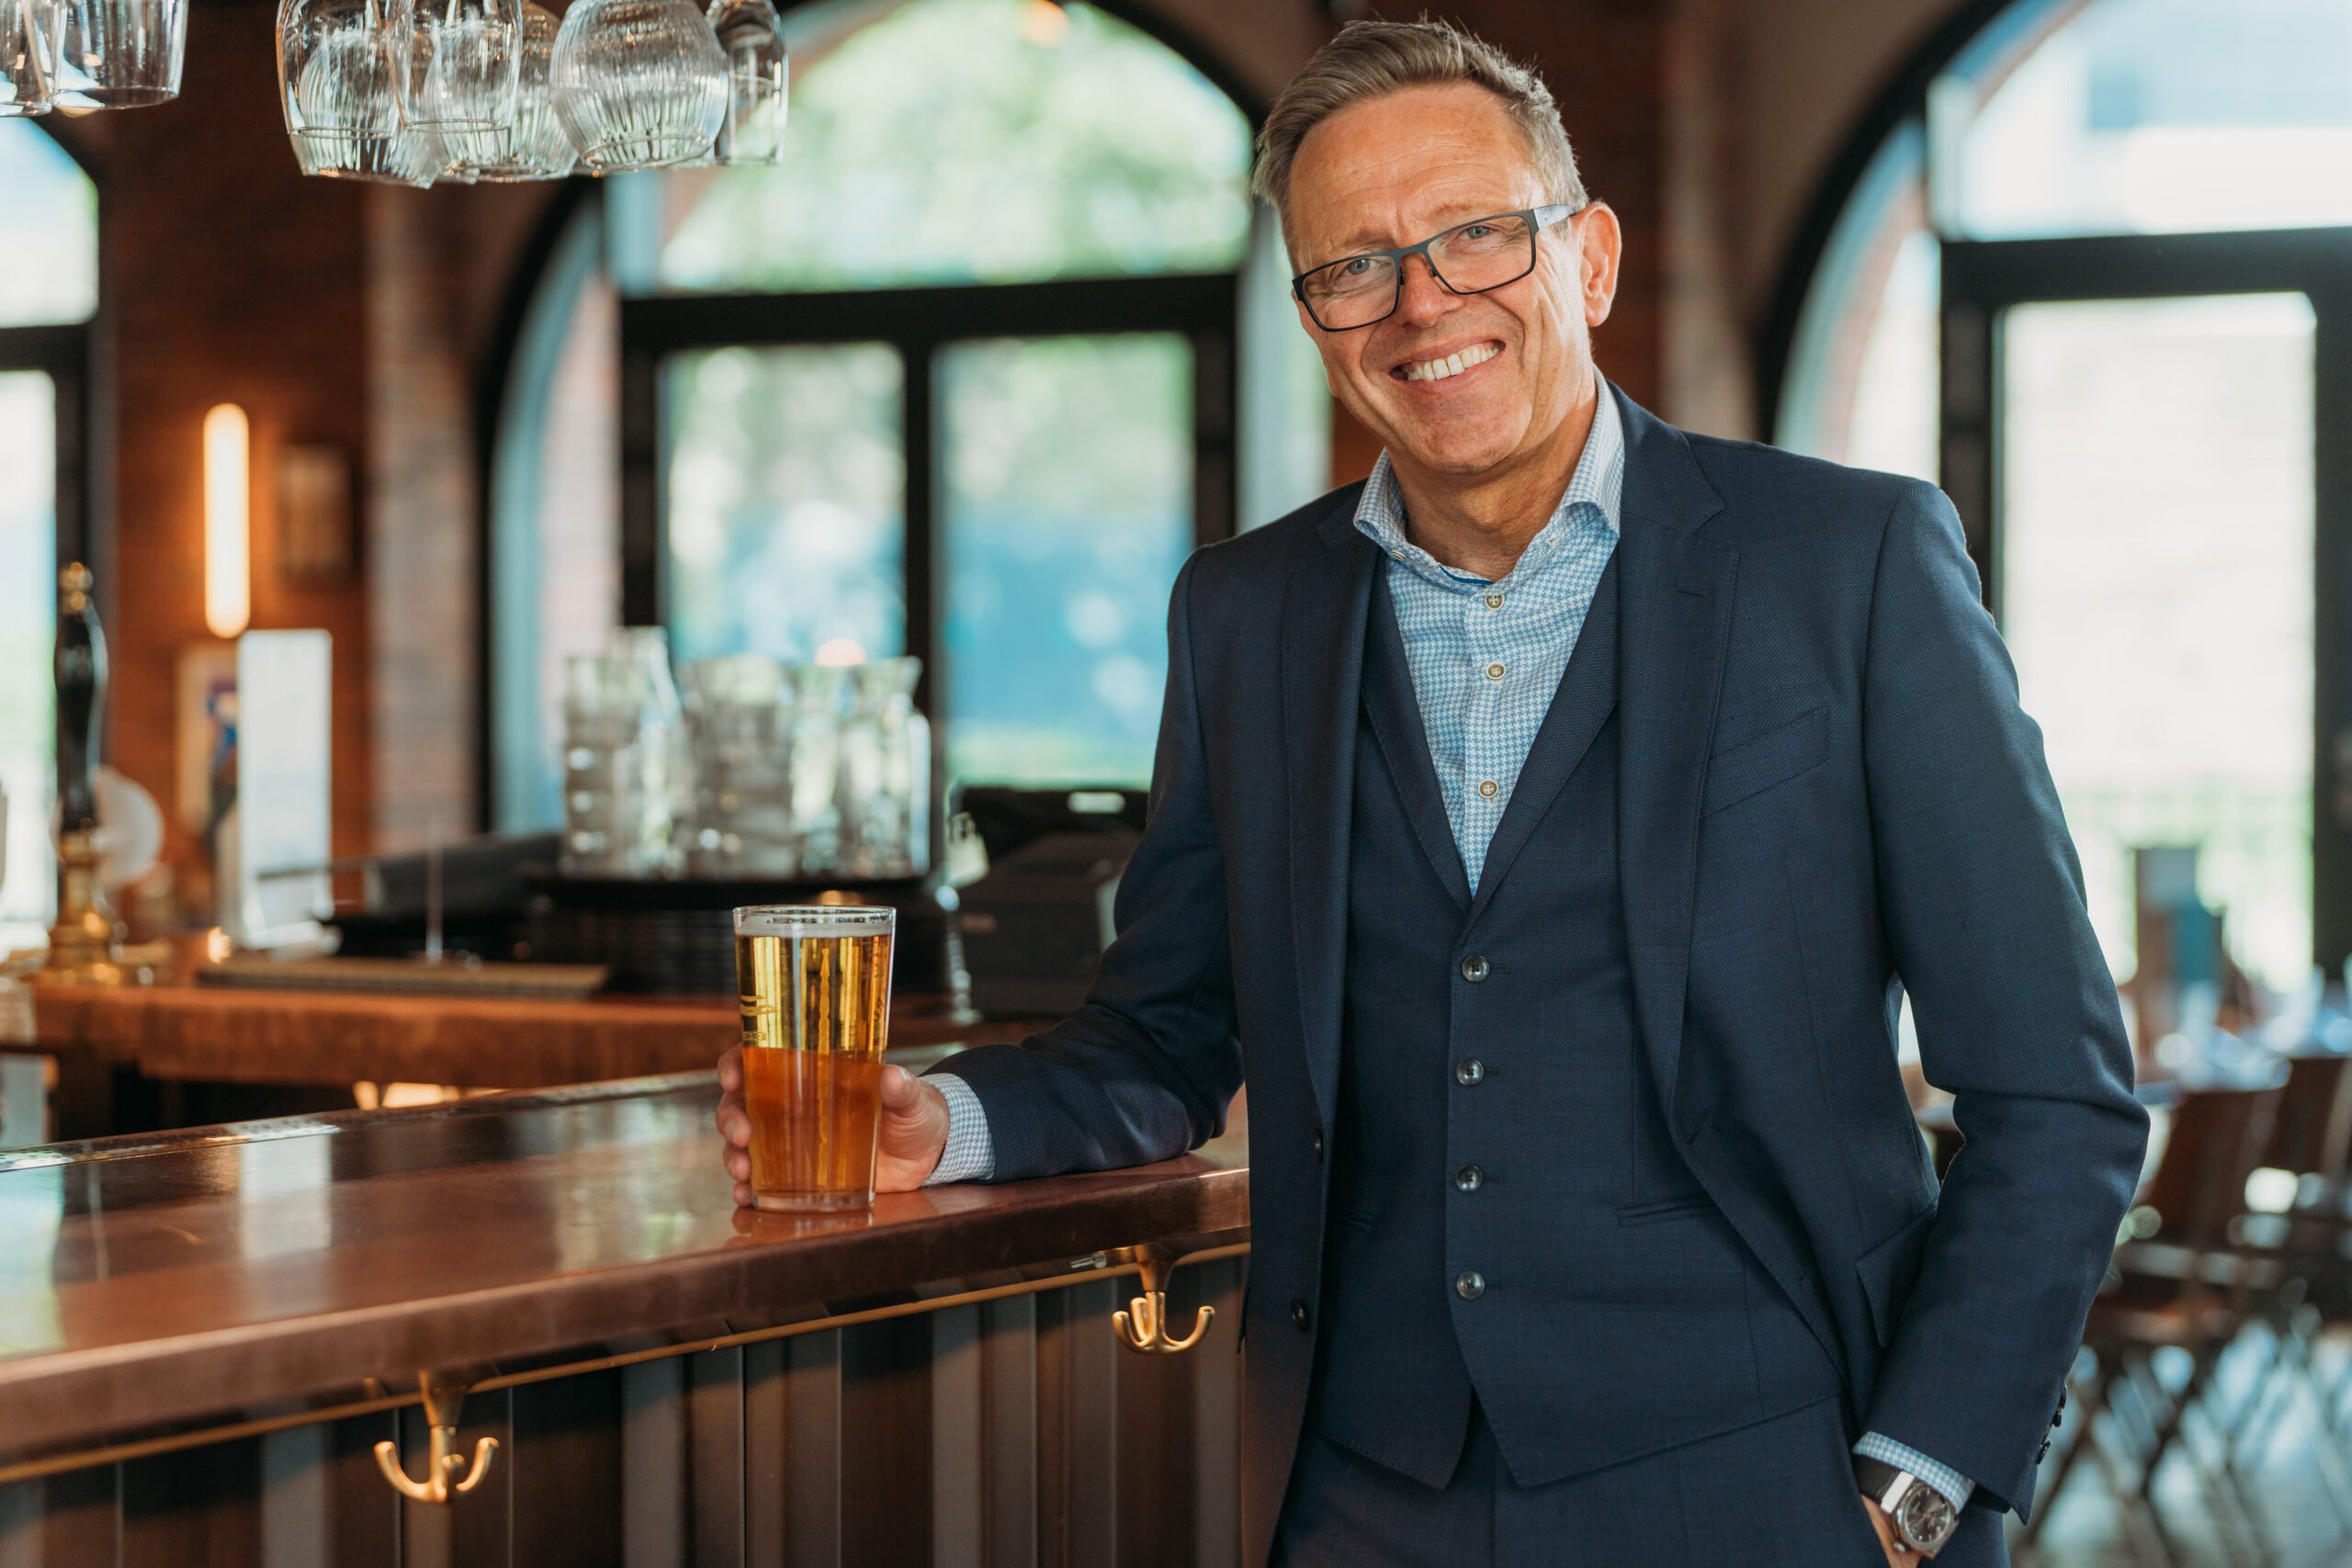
(1922, 1518)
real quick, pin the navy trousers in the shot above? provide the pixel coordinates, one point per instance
(1776, 1494)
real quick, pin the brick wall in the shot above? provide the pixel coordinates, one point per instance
(226, 278)
(341, 315)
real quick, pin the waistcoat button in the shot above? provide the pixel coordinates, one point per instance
(1468, 1177)
(1318, 1143)
(1470, 1284)
(1474, 968)
(1298, 1314)
(1470, 1071)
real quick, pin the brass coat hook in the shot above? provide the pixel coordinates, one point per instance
(1144, 1323)
(443, 1397)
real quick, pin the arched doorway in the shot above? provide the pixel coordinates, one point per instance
(966, 377)
(2091, 276)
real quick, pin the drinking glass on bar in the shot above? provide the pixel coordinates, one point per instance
(814, 982)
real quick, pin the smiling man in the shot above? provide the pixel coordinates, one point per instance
(1547, 829)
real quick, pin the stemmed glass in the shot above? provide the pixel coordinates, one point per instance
(28, 57)
(638, 84)
(337, 75)
(458, 64)
(535, 146)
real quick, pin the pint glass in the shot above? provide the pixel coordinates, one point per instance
(815, 992)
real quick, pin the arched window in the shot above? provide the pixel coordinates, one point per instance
(966, 376)
(49, 290)
(2083, 276)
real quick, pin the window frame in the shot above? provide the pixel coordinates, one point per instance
(61, 351)
(1980, 278)
(1203, 308)
(1206, 308)
(1983, 279)
(65, 352)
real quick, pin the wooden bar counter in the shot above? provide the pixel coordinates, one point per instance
(222, 1035)
(182, 1032)
(205, 1333)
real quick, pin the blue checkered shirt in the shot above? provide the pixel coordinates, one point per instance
(1486, 659)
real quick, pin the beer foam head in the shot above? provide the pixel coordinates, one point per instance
(813, 919)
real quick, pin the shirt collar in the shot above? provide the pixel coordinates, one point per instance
(1596, 489)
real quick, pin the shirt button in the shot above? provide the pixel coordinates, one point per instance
(1494, 601)
(1470, 1284)
(1298, 1314)
(1487, 788)
(1471, 1071)
(1494, 671)
(1468, 1178)
(1474, 968)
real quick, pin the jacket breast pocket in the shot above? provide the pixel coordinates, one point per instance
(1760, 762)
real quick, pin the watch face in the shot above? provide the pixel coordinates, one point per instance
(1925, 1518)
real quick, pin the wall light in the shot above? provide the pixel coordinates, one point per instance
(228, 520)
(1045, 23)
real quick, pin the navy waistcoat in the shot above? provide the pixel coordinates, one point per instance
(1510, 1220)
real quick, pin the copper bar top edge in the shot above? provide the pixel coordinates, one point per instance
(177, 1276)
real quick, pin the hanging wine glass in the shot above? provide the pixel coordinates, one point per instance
(28, 57)
(120, 54)
(758, 72)
(534, 147)
(457, 64)
(638, 84)
(336, 70)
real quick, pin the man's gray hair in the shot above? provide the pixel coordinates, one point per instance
(1369, 59)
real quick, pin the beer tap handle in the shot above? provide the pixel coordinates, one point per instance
(81, 670)
(83, 944)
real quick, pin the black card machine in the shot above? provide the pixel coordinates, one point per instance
(1035, 926)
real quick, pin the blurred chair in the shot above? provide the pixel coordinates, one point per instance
(2180, 1283)
(2310, 1245)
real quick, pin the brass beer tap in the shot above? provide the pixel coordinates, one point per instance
(84, 946)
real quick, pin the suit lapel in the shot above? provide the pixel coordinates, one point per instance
(1675, 608)
(1402, 732)
(1324, 610)
(1587, 694)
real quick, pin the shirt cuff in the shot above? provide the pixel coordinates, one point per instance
(969, 1155)
(1955, 1486)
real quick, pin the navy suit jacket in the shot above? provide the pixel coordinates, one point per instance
(1828, 796)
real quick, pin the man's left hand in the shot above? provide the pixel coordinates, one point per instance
(1898, 1555)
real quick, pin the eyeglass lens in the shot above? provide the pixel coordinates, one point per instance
(1471, 259)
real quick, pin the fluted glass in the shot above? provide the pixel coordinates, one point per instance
(758, 71)
(534, 147)
(336, 69)
(458, 64)
(120, 54)
(638, 84)
(28, 57)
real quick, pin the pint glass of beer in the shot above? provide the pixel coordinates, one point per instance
(815, 992)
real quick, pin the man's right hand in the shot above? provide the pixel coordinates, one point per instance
(1897, 1556)
(913, 1134)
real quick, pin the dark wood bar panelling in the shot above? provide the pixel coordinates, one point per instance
(904, 1441)
(204, 1335)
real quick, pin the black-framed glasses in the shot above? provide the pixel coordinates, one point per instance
(1469, 258)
